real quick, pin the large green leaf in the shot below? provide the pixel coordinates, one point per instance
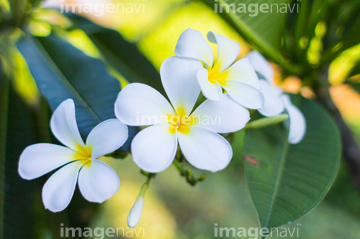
(122, 55)
(61, 71)
(289, 180)
(261, 28)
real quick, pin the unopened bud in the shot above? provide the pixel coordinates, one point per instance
(135, 212)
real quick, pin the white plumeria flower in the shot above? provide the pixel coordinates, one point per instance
(276, 101)
(154, 148)
(78, 161)
(237, 78)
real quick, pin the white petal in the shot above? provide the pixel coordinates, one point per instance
(178, 76)
(107, 137)
(64, 127)
(260, 65)
(138, 104)
(39, 159)
(245, 95)
(223, 116)
(192, 44)
(276, 90)
(297, 127)
(154, 148)
(135, 212)
(211, 91)
(205, 149)
(59, 188)
(98, 181)
(242, 72)
(228, 50)
(273, 105)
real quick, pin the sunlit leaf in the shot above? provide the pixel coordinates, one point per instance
(61, 71)
(122, 55)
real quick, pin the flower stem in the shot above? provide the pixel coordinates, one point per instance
(267, 121)
(187, 173)
(146, 185)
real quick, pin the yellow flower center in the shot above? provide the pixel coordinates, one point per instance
(180, 122)
(215, 76)
(83, 155)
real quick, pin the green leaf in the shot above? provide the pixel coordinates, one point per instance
(122, 55)
(4, 92)
(20, 215)
(343, 24)
(289, 180)
(351, 35)
(261, 28)
(61, 71)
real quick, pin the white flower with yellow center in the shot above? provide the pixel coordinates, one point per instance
(78, 161)
(238, 78)
(154, 148)
(276, 101)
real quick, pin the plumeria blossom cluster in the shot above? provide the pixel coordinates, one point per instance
(184, 122)
(195, 130)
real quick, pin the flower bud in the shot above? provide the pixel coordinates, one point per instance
(135, 212)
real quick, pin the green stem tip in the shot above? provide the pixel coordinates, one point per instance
(267, 121)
